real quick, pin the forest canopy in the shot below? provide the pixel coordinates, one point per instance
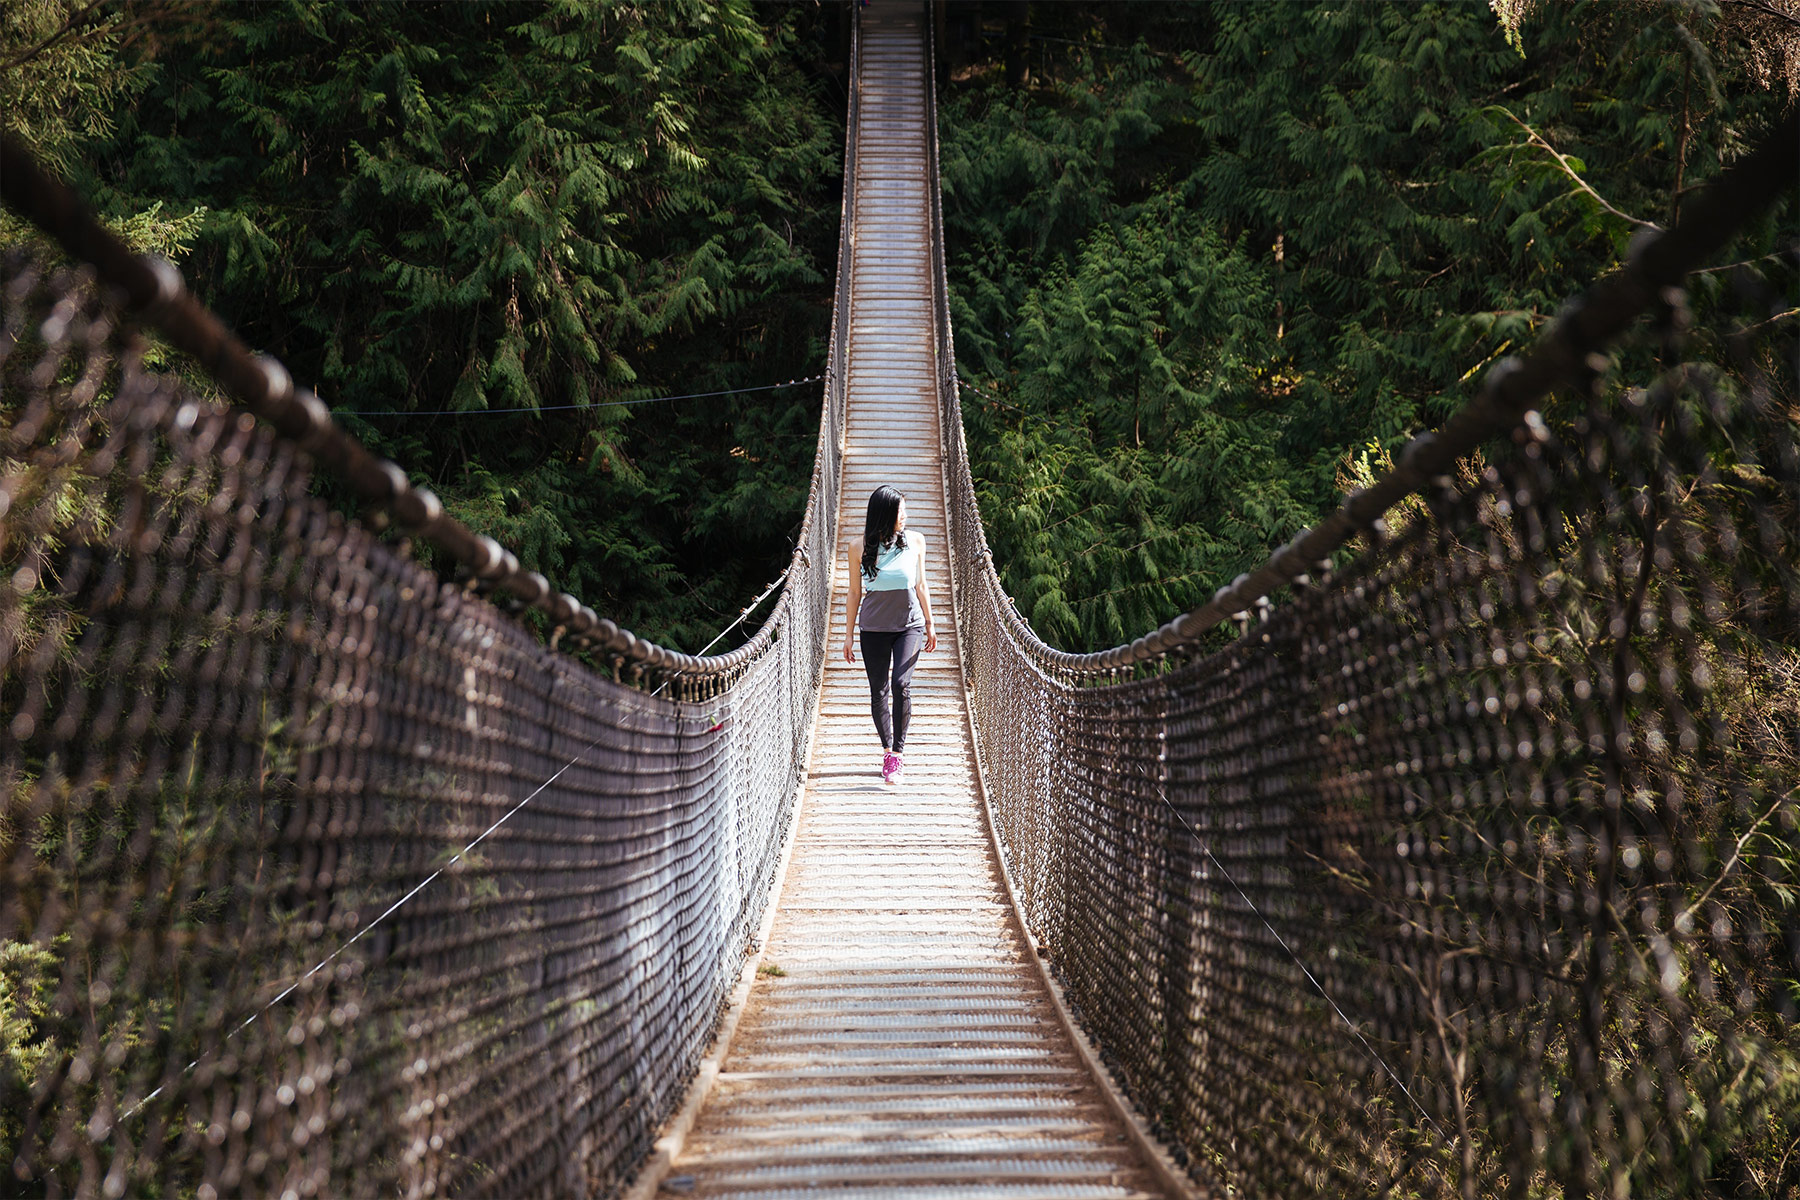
(487, 234)
(1209, 263)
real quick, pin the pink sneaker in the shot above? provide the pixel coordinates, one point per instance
(890, 767)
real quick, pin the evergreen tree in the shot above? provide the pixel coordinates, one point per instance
(528, 214)
(62, 78)
(1204, 275)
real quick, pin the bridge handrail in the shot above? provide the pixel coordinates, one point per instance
(1564, 356)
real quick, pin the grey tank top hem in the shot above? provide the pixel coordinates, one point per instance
(890, 611)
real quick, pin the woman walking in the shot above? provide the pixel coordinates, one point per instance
(888, 598)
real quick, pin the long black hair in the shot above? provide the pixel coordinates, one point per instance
(878, 527)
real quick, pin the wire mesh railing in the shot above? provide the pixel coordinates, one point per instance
(320, 875)
(1470, 868)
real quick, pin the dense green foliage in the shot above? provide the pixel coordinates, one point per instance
(1212, 261)
(1208, 262)
(533, 215)
(63, 77)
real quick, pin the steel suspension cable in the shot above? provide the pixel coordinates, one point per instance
(544, 408)
(370, 926)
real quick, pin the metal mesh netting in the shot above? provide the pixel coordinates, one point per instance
(1473, 867)
(1517, 790)
(238, 730)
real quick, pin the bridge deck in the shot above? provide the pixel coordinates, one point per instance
(910, 1047)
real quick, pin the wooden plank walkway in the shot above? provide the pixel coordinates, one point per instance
(910, 1049)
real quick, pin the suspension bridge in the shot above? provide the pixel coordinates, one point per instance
(1415, 862)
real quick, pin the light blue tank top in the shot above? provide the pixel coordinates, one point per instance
(896, 567)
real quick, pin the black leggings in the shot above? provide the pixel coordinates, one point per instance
(891, 657)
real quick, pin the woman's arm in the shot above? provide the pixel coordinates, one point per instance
(855, 601)
(923, 592)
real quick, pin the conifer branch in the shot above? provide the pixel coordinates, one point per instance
(1562, 163)
(1748, 262)
(75, 21)
(1768, 10)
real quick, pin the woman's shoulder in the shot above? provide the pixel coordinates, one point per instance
(856, 545)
